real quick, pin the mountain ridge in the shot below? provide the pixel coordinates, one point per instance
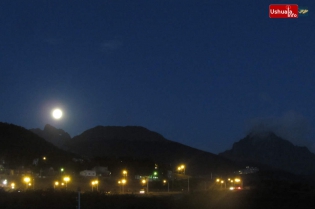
(133, 133)
(268, 148)
(141, 143)
(21, 146)
(264, 149)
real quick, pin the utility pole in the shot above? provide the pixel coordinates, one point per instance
(79, 197)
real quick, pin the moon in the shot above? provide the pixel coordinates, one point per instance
(57, 114)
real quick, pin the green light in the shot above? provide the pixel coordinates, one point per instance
(155, 173)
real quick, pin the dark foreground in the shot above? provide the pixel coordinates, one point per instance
(199, 200)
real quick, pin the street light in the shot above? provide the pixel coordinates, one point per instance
(223, 182)
(95, 183)
(92, 185)
(146, 181)
(238, 181)
(119, 183)
(56, 184)
(168, 185)
(27, 181)
(181, 168)
(66, 179)
(124, 173)
(123, 182)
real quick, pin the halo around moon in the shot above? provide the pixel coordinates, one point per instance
(56, 113)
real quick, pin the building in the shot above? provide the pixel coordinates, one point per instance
(88, 173)
(247, 170)
(101, 171)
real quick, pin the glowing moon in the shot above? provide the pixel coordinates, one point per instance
(57, 114)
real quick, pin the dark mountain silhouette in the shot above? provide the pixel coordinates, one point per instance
(19, 146)
(271, 150)
(141, 143)
(58, 137)
(267, 150)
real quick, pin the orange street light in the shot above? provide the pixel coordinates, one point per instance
(27, 181)
(124, 173)
(56, 184)
(95, 183)
(66, 179)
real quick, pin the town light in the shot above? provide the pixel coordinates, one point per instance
(168, 185)
(123, 181)
(56, 184)
(181, 168)
(95, 183)
(27, 179)
(66, 179)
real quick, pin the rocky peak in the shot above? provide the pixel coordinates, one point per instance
(269, 149)
(58, 137)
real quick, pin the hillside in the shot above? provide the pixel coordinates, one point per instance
(19, 146)
(141, 143)
(269, 149)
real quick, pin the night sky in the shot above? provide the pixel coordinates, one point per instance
(202, 73)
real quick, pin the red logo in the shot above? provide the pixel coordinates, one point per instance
(283, 11)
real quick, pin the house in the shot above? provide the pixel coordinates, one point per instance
(87, 173)
(247, 170)
(101, 171)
